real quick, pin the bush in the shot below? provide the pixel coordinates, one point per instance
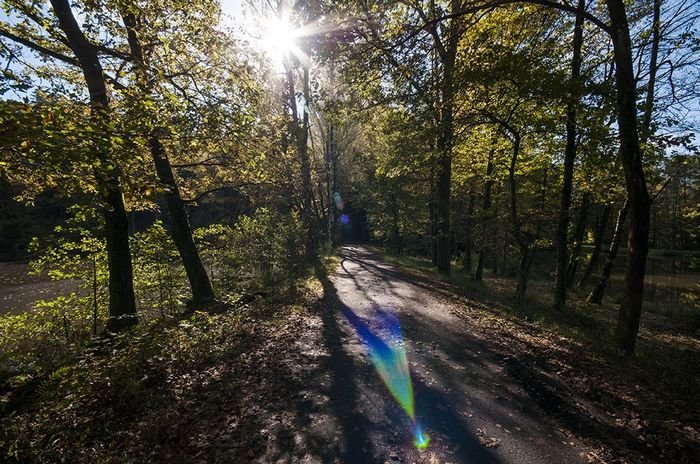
(38, 341)
(160, 282)
(258, 251)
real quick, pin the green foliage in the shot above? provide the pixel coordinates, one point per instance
(38, 341)
(159, 278)
(258, 251)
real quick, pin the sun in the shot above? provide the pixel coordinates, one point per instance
(280, 39)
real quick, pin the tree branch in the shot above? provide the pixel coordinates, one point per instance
(547, 3)
(38, 48)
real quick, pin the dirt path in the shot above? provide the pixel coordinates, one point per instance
(468, 394)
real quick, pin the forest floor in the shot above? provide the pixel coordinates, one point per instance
(288, 380)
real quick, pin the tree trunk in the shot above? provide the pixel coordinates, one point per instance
(433, 227)
(330, 186)
(520, 238)
(488, 188)
(300, 131)
(596, 296)
(579, 232)
(479, 272)
(467, 259)
(527, 255)
(560, 238)
(448, 55)
(637, 194)
(653, 67)
(444, 183)
(597, 245)
(181, 232)
(122, 301)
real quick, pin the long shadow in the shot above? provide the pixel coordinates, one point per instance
(548, 399)
(456, 439)
(344, 395)
(425, 283)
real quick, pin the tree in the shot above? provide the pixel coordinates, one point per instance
(202, 290)
(560, 239)
(64, 29)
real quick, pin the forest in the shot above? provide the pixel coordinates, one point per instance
(361, 231)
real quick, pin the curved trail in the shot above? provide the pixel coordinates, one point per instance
(469, 397)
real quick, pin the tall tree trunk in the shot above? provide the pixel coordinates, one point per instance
(520, 237)
(596, 295)
(122, 301)
(527, 255)
(637, 194)
(597, 244)
(395, 242)
(303, 150)
(579, 232)
(432, 212)
(180, 230)
(653, 68)
(444, 183)
(300, 130)
(488, 187)
(560, 238)
(448, 55)
(330, 147)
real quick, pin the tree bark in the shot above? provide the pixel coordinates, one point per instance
(180, 230)
(520, 239)
(467, 259)
(444, 181)
(122, 301)
(300, 130)
(653, 67)
(448, 56)
(527, 255)
(637, 194)
(634, 175)
(432, 212)
(560, 237)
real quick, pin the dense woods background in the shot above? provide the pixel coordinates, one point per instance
(159, 158)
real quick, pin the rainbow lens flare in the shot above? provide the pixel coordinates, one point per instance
(386, 351)
(422, 439)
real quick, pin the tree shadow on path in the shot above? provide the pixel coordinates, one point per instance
(368, 442)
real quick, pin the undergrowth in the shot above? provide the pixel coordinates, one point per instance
(115, 398)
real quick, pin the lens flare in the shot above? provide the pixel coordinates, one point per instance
(422, 439)
(387, 353)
